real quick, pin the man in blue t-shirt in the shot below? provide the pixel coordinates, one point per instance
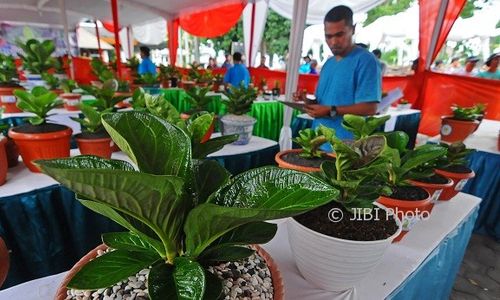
(350, 81)
(238, 73)
(146, 65)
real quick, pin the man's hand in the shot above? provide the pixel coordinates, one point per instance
(318, 111)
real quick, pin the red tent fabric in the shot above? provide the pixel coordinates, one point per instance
(173, 39)
(452, 12)
(214, 22)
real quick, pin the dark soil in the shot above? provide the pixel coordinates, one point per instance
(92, 136)
(44, 128)
(409, 193)
(294, 158)
(356, 230)
(435, 179)
(457, 169)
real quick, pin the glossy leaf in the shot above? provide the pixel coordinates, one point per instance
(363, 126)
(161, 284)
(397, 140)
(189, 277)
(210, 175)
(129, 241)
(251, 233)
(213, 287)
(110, 268)
(86, 162)
(199, 127)
(225, 253)
(256, 195)
(156, 146)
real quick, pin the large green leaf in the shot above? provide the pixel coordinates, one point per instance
(154, 200)
(156, 146)
(86, 162)
(161, 284)
(129, 241)
(189, 279)
(397, 140)
(212, 145)
(210, 175)
(251, 233)
(111, 268)
(199, 127)
(420, 156)
(256, 195)
(225, 253)
(213, 287)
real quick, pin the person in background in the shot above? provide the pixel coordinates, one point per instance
(146, 65)
(469, 68)
(238, 73)
(314, 65)
(228, 63)
(263, 63)
(438, 66)
(382, 65)
(492, 63)
(350, 81)
(305, 68)
(212, 64)
(455, 66)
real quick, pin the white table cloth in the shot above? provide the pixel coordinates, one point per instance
(401, 260)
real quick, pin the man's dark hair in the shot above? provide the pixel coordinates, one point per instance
(145, 50)
(339, 13)
(377, 53)
(237, 56)
(454, 59)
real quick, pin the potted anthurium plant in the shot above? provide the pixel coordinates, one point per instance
(184, 217)
(310, 157)
(198, 100)
(37, 59)
(39, 139)
(453, 165)
(239, 102)
(93, 140)
(463, 122)
(71, 100)
(169, 76)
(338, 244)
(8, 83)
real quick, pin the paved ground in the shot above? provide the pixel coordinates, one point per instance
(479, 275)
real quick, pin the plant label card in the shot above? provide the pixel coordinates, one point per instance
(392, 96)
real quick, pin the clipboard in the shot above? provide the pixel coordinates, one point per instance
(295, 104)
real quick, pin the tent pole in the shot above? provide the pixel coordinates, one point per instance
(128, 42)
(435, 33)
(99, 49)
(292, 68)
(252, 29)
(64, 16)
(116, 25)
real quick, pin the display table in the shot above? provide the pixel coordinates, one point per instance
(422, 266)
(406, 120)
(47, 230)
(269, 113)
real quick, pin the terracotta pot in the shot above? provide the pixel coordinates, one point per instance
(4, 261)
(71, 101)
(33, 146)
(456, 130)
(187, 85)
(99, 146)
(434, 189)
(286, 165)
(279, 290)
(459, 181)
(3, 160)
(407, 211)
(57, 91)
(12, 153)
(8, 101)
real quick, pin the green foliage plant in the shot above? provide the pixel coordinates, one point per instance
(91, 121)
(37, 57)
(148, 79)
(198, 98)
(52, 81)
(456, 155)
(8, 71)
(363, 126)
(105, 95)
(311, 139)
(181, 214)
(239, 99)
(101, 70)
(169, 71)
(68, 85)
(39, 102)
(468, 113)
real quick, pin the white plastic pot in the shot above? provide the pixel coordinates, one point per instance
(403, 106)
(334, 264)
(241, 125)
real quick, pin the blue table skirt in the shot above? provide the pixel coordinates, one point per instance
(486, 185)
(48, 231)
(407, 123)
(435, 277)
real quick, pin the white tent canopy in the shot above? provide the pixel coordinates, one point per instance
(88, 40)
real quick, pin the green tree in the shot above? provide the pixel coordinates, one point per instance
(472, 5)
(277, 33)
(388, 8)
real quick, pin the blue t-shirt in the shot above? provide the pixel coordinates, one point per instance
(236, 74)
(351, 80)
(146, 66)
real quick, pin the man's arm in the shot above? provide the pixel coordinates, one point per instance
(361, 109)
